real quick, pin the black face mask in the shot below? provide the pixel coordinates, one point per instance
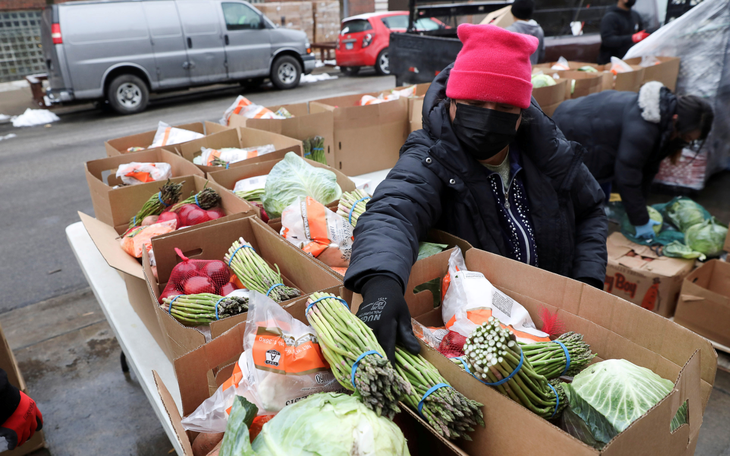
(483, 132)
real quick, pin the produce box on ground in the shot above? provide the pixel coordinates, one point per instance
(302, 126)
(102, 177)
(367, 138)
(704, 303)
(415, 107)
(637, 274)
(15, 378)
(213, 242)
(291, 15)
(662, 69)
(630, 81)
(326, 21)
(123, 145)
(550, 97)
(614, 328)
(547, 67)
(207, 368)
(240, 138)
(580, 83)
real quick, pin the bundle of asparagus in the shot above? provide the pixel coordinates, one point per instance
(203, 308)
(205, 199)
(567, 355)
(352, 205)
(494, 357)
(255, 274)
(355, 356)
(168, 195)
(218, 162)
(314, 149)
(448, 411)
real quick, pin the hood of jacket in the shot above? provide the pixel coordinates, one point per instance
(658, 104)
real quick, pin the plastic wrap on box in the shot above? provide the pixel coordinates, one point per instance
(690, 171)
(700, 38)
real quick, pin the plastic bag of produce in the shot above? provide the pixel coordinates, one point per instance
(707, 237)
(294, 178)
(619, 66)
(134, 240)
(228, 155)
(199, 276)
(470, 299)
(167, 135)
(561, 65)
(139, 173)
(250, 189)
(312, 227)
(244, 107)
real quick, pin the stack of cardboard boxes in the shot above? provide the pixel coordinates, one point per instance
(320, 20)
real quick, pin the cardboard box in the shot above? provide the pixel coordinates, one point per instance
(637, 274)
(665, 72)
(630, 81)
(415, 109)
(241, 138)
(501, 18)
(367, 138)
(726, 247)
(119, 146)
(101, 176)
(613, 327)
(212, 242)
(9, 364)
(302, 126)
(550, 97)
(326, 21)
(704, 303)
(291, 15)
(546, 67)
(585, 83)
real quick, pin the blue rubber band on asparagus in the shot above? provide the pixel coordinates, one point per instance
(216, 307)
(228, 165)
(169, 310)
(134, 221)
(236, 251)
(567, 357)
(357, 361)
(159, 197)
(310, 305)
(196, 201)
(557, 400)
(349, 218)
(428, 393)
(463, 363)
(274, 286)
(507, 378)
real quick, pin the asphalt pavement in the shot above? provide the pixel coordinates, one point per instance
(43, 185)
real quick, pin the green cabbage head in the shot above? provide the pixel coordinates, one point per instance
(330, 424)
(707, 237)
(684, 213)
(293, 178)
(608, 396)
(542, 80)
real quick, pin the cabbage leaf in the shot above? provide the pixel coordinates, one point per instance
(707, 237)
(684, 213)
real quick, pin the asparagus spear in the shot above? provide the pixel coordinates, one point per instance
(205, 199)
(168, 195)
(200, 309)
(548, 358)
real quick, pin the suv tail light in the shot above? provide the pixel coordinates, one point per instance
(367, 40)
(56, 34)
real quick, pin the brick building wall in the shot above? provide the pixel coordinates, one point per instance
(361, 6)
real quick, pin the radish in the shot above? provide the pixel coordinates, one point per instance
(198, 284)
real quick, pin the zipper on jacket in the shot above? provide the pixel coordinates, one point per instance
(507, 206)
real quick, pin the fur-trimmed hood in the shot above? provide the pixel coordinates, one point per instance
(658, 105)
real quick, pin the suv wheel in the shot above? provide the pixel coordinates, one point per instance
(128, 94)
(286, 72)
(382, 63)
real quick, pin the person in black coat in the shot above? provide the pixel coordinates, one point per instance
(19, 415)
(621, 28)
(489, 167)
(626, 136)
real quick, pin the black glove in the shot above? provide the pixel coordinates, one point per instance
(385, 311)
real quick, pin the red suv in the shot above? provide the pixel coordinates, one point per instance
(364, 39)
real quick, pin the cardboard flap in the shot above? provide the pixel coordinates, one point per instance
(690, 298)
(102, 235)
(433, 267)
(169, 403)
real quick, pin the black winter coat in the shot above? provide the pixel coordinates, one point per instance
(436, 184)
(617, 26)
(626, 136)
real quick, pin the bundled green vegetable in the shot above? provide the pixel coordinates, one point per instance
(168, 195)
(205, 199)
(254, 195)
(684, 213)
(255, 274)
(707, 237)
(355, 356)
(448, 411)
(203, 308)
(608, 396)
(352, 205)
(549, 358)
(493, 357)
(314, 149)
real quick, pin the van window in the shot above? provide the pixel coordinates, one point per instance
(241, 17)
(396, 22)
(356, 26)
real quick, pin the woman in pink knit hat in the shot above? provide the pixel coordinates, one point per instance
(488, 167)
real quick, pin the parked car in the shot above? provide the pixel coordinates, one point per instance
(364, 39)
(121, 51)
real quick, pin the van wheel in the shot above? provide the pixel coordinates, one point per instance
(286, 72)
(128, 94)
(382, 63)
